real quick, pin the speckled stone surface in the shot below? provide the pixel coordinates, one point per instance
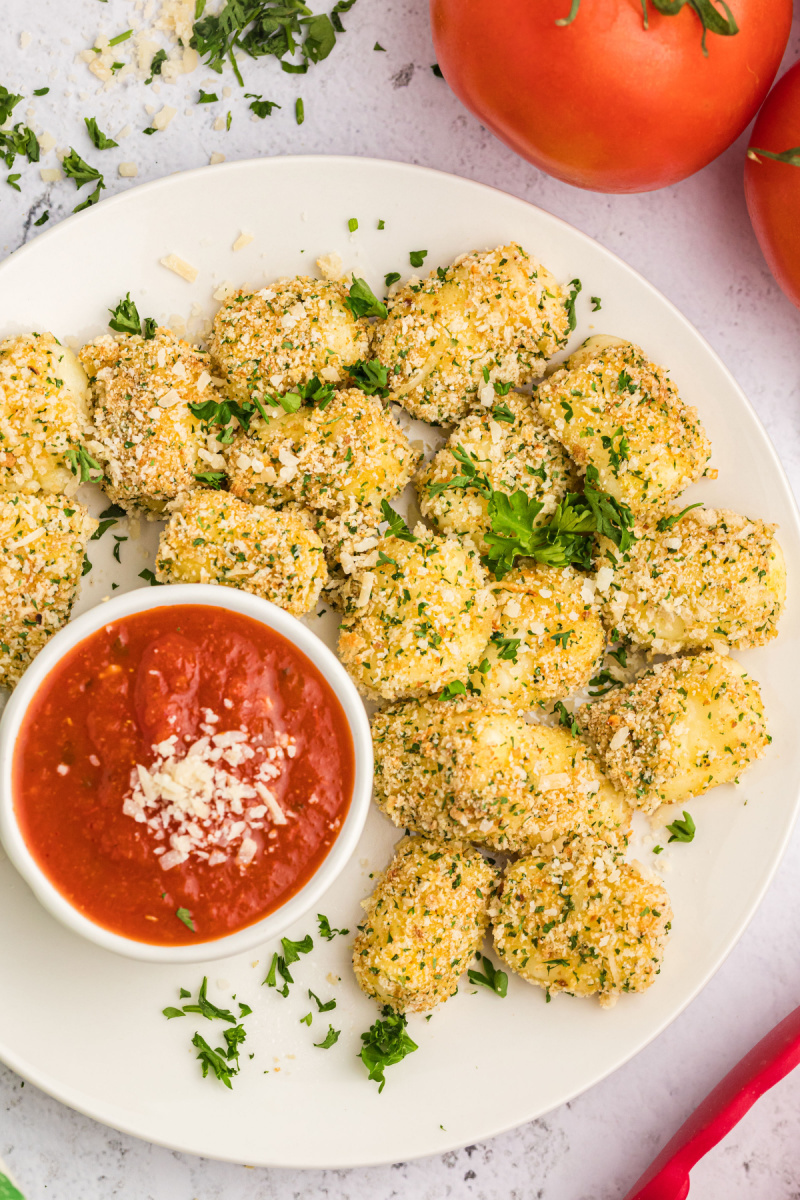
(692, 241)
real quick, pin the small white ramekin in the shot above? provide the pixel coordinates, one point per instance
(141, 600)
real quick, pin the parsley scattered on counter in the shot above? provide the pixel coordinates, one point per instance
(262, 108)
(299, 110)
(156, 63)
(81, 172)
(682, 831)
(44, 217)
(378, 46)
(326, 931)
(492, 978)
(13, 181)
(121, 37)
(99, 139)
(385, 1044)
(207, 97)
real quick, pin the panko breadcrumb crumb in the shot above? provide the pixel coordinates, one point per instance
(215, 538)
(43, 540)
(417, 618)
(148, 442)
(469, 770)
(686, 726)
(44, 414)
(512, 447)
(350, 450)
(492, 315)
(273, 340)
(424, 922)
(613, 409)
(580, 920)
(711, 578)
(547, 638)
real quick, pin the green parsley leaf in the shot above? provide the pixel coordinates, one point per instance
(170, 1012)
(307, 1019)
(299, 110)
(492, 978)
(150, 578)
(378, 46)
(156, 63)
(381, 224)
(326, 931)
(417, 257)
(602, 683)
(667, 523)
(450, 690)
(80, 171)
(13, 181)
(566, 718)
(501, 412)
(184, 915)
(125, 317)
(8, 102)
(204, 1006)
(575, 287)
(87, 565)
(214, 1060)
(362, 301)
(371, 377)
(682, 831)
(101, 528)
(507, 647)
(352, 224)
(396, 525)
(121, 37)
(330, 1039)
(44, 217)
(213, 479)
(385, 1044)
(391, 278)
(99, 139)
(613, 518)
(293, 950)
(233, 1040)
(83, 465)
(327, 1007)
(41, 91)
(207, 97)
(262, 108)
(596, 303)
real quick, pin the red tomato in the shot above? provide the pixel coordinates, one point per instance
(772, 188)
(604, 103)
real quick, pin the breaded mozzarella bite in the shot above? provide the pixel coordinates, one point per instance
(417, 618)
(547, 637)
(492, 315)
(582, 921)
(614, 410)
(149, 444)
(710, 578)
(215, 538)
(424, 922)
(43, 540)
(508, 444)
(273, 340)
(686, 726)
(469, 770)
(44, 414)
(349, 451)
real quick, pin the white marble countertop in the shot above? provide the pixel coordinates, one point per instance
(694, 242)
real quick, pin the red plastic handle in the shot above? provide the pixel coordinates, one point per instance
(667, 1177)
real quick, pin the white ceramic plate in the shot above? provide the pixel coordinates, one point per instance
(85, 1025)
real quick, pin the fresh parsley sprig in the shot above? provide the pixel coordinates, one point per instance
(372, 378)
(362, 301)
(682, 831)
(326, 931)
(396, 526)
(83, 465)
(81, 172)
(385, 1043)
(125, 319)
(98, 138)
(492, 977)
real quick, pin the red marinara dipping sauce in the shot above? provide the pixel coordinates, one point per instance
(186, 758)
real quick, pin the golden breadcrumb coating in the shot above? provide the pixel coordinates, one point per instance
(614, 410)
(352, 450)
(492, 315)
(44, 414)
(581, 920)
(149, 444)
(43, 540)
(215, 538)
(512, 447)
(273, 340)
(712, 578)
(686, 726)
(417, 618)
(546, 641)
(424, 922)
(470, 770)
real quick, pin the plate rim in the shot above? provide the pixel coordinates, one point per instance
(58, 1091)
